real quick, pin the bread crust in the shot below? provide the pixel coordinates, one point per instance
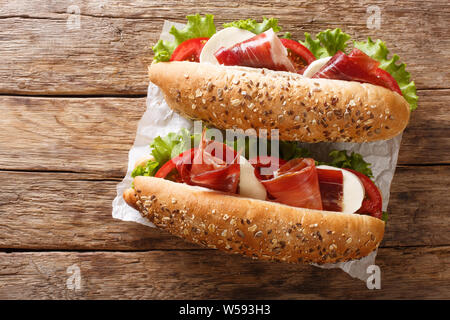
(259, 229)
(303, 109)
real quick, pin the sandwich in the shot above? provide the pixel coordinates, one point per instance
(271, 92)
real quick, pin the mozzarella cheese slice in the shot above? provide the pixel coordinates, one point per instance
(249, 185)
(227, 38)
(315, 66)
(353, 190)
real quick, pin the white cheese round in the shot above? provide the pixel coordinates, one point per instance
(315, 66)
(249, 185)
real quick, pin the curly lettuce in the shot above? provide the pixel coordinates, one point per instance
(378, 51)
(196, 27)
(340, 159)
(163, 149)
(255, 27)
(291, 150)
(149, 169)
(327, 43)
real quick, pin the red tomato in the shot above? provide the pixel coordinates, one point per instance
(372, 204)
(189, 50)
(299, 55)
(170, 165)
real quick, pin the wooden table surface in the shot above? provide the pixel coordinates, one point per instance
(70, 100)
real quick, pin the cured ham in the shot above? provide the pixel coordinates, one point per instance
(262, 51)
(265, 166)
(296, 184)
(212, 168)
(357, 66)
(331, 189)
(212, 165)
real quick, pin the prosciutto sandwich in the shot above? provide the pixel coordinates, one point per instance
(246, 76)
(288, 207)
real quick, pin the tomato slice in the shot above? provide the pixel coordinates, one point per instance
(372, 204)
(189, 50)
(299, 55)
(172, 164)
(265, 162)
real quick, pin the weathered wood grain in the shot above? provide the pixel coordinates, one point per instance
(69, 211)
(95, 134)
(73, 212)
(426, 139)
(406, 273)
(108, 54)
(78, 134)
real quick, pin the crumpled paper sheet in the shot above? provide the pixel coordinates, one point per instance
(159, 120)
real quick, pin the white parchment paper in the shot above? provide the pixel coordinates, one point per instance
(159, 120)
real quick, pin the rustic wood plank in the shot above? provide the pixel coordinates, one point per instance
(426, 139)
(73, 212)
(78, 134)
(69, 211)
(406, 273)
(110, 51)
(94, 135)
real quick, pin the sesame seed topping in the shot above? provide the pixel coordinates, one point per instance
(240, 233)
(258, 234)
(235, 102)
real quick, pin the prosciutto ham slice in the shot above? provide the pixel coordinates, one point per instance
(357, 66)
(212, 165)
(296, 184)
(262, 51)
(331, 184)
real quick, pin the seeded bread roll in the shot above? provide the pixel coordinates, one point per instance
(303, 109)
(259, 229)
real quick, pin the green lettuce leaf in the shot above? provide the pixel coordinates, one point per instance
(148, 170)
(327, 43)
(287, 35)
(385, 216)
(165, 148)
(255, 27)
(355, 161)
(163, 50)
(290, 150)
(378, 51)
(196, 27)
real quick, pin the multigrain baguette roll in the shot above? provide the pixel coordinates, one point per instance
(259, 229)
(302, 109)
